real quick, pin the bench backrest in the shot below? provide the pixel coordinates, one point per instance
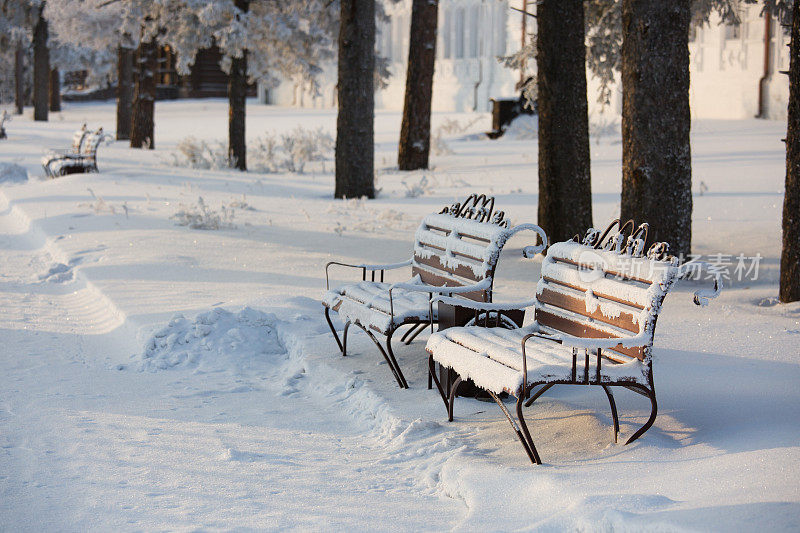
(77, 139)
(606, 287)
(461, 245)
(91, 142)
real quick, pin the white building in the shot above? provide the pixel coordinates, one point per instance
(727, 62)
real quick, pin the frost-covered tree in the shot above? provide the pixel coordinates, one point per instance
(415, 131)
(96, 30)
(266, 41)
(25, 18)
(604, 35)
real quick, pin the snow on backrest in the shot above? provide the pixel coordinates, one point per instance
(452, 249)
(593, 292)
(77, 139)
(91, 142)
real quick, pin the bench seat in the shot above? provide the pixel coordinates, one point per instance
(492, 359)
(366, 303)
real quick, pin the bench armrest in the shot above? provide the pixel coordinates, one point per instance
(530, 251)
(483, 306)
(634, 341)
(701, 296)
(482, 285)
(364, 269)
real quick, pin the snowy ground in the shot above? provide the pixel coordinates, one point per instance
(115, 413)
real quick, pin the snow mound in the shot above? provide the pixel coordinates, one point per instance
(215, 340)
(523, 127)
(12, 173)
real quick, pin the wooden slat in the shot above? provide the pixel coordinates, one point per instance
(435, 261)
(440, 281)
(616, 274)
(461, 233)
(583, 330)
(596, 293)
(627, 321)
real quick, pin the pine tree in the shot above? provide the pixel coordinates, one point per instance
(656, 154)
(790, 256)
(19, 83)
(41, 68)
(124, 92)
(355, 120)
(237, 100)
(565, 196)
(144, 95)
(415, 132)
(55, 90)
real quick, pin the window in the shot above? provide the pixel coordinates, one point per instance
(500, 37)
(733, 31)
(459, 33)
(447, 34)
(474, 32)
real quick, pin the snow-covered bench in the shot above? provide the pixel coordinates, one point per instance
(82, 157)
(595, 315)
(4, 117)
(455, 253)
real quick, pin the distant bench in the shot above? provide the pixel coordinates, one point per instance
(595, 316)
(80, 158)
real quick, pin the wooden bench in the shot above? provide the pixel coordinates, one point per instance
(81, 158)
(455, 252)
(595, 315)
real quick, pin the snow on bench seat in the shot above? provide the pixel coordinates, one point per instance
(366, 303)
(492, 358)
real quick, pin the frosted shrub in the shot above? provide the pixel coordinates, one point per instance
(194, 153)
(269, 153)
(302, 146)
(200, 216)
(261, 155)
(449, 126)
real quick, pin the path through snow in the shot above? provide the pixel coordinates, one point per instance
(87, 446)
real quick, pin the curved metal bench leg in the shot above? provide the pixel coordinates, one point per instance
(538, 393)
(409, 332)
(419, 329)
(395, 371)
(453, 389)
(398, 372)
(344, 338)
(613, 410)
(531, 449)
(333, 330)
(653, 412)
(432, 374)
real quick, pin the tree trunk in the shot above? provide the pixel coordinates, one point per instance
(656, 154)
(415, 133)
(124, 92)
(237, 103)
(41, 68)
(144, 96)
(355, 151)
(55, 90)
(565, 189)
(19, 80)
(790, 257)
